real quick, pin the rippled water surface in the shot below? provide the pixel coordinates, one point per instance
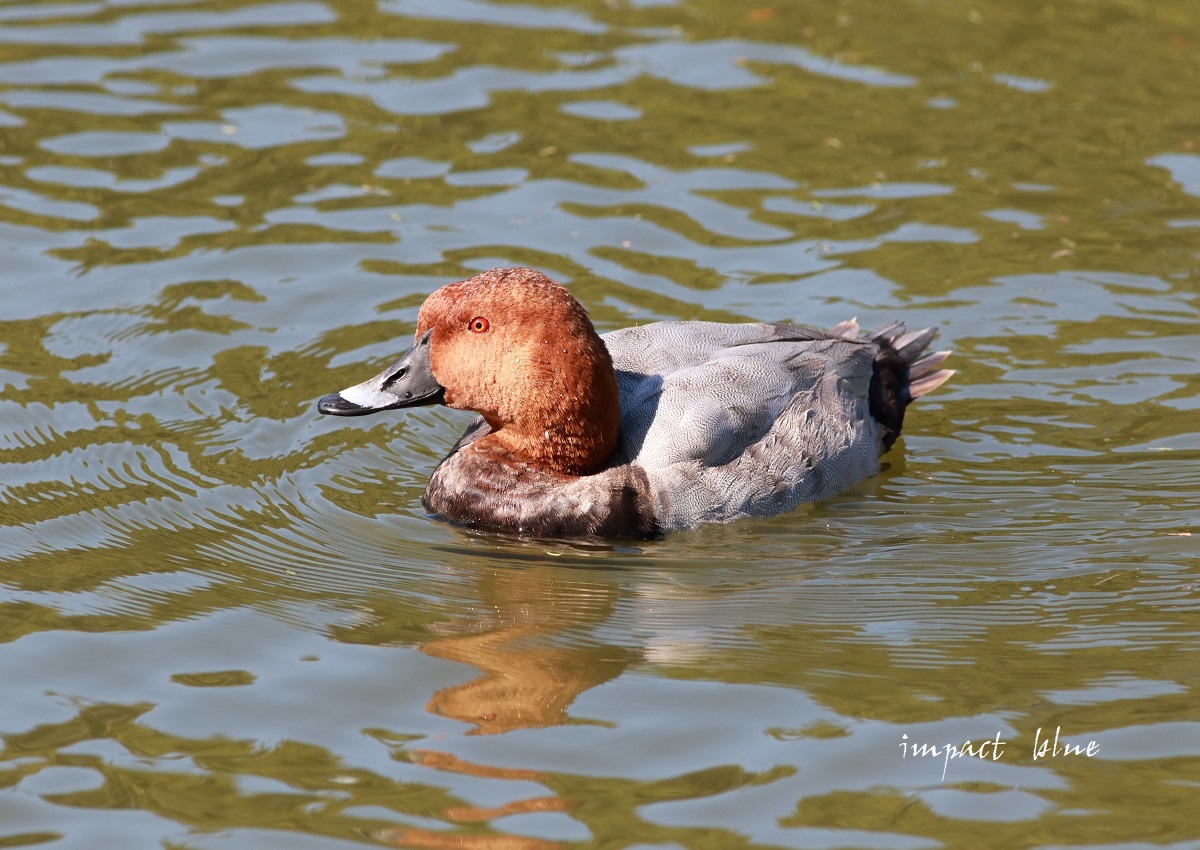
(226, 622)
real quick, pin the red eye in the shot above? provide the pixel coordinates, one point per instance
(478, 325)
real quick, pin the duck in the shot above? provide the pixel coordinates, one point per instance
(645, 430)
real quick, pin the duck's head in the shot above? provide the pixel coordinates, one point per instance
(516, 347)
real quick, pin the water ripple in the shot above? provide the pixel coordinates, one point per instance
(212, 214)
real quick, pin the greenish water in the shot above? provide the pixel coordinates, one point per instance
(225, 621)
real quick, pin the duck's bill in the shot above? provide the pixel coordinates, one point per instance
(408, 382)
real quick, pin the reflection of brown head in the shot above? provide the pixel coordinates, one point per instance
(530, 676)
(523, 686)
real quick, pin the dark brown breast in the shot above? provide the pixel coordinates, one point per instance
(484, 486)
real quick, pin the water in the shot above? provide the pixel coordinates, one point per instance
(226, 621)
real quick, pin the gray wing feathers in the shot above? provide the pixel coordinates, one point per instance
(664, 347)
(711, 412)
(743, 419)
(804, 456)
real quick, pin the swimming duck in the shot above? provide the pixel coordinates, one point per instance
(644, 430)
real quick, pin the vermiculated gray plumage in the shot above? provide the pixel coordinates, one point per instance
(752, 420)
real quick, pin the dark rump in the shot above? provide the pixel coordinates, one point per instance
(902, 372)
(888, 395)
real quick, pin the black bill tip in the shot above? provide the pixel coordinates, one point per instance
(334, 405)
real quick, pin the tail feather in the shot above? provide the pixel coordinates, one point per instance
(910, 345)
(848, 329)
(886, 333)
(927, 364)
(903, 371)
(899, 346)
(927, 384)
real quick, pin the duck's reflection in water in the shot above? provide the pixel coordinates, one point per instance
(480, 814)
(531, 638)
